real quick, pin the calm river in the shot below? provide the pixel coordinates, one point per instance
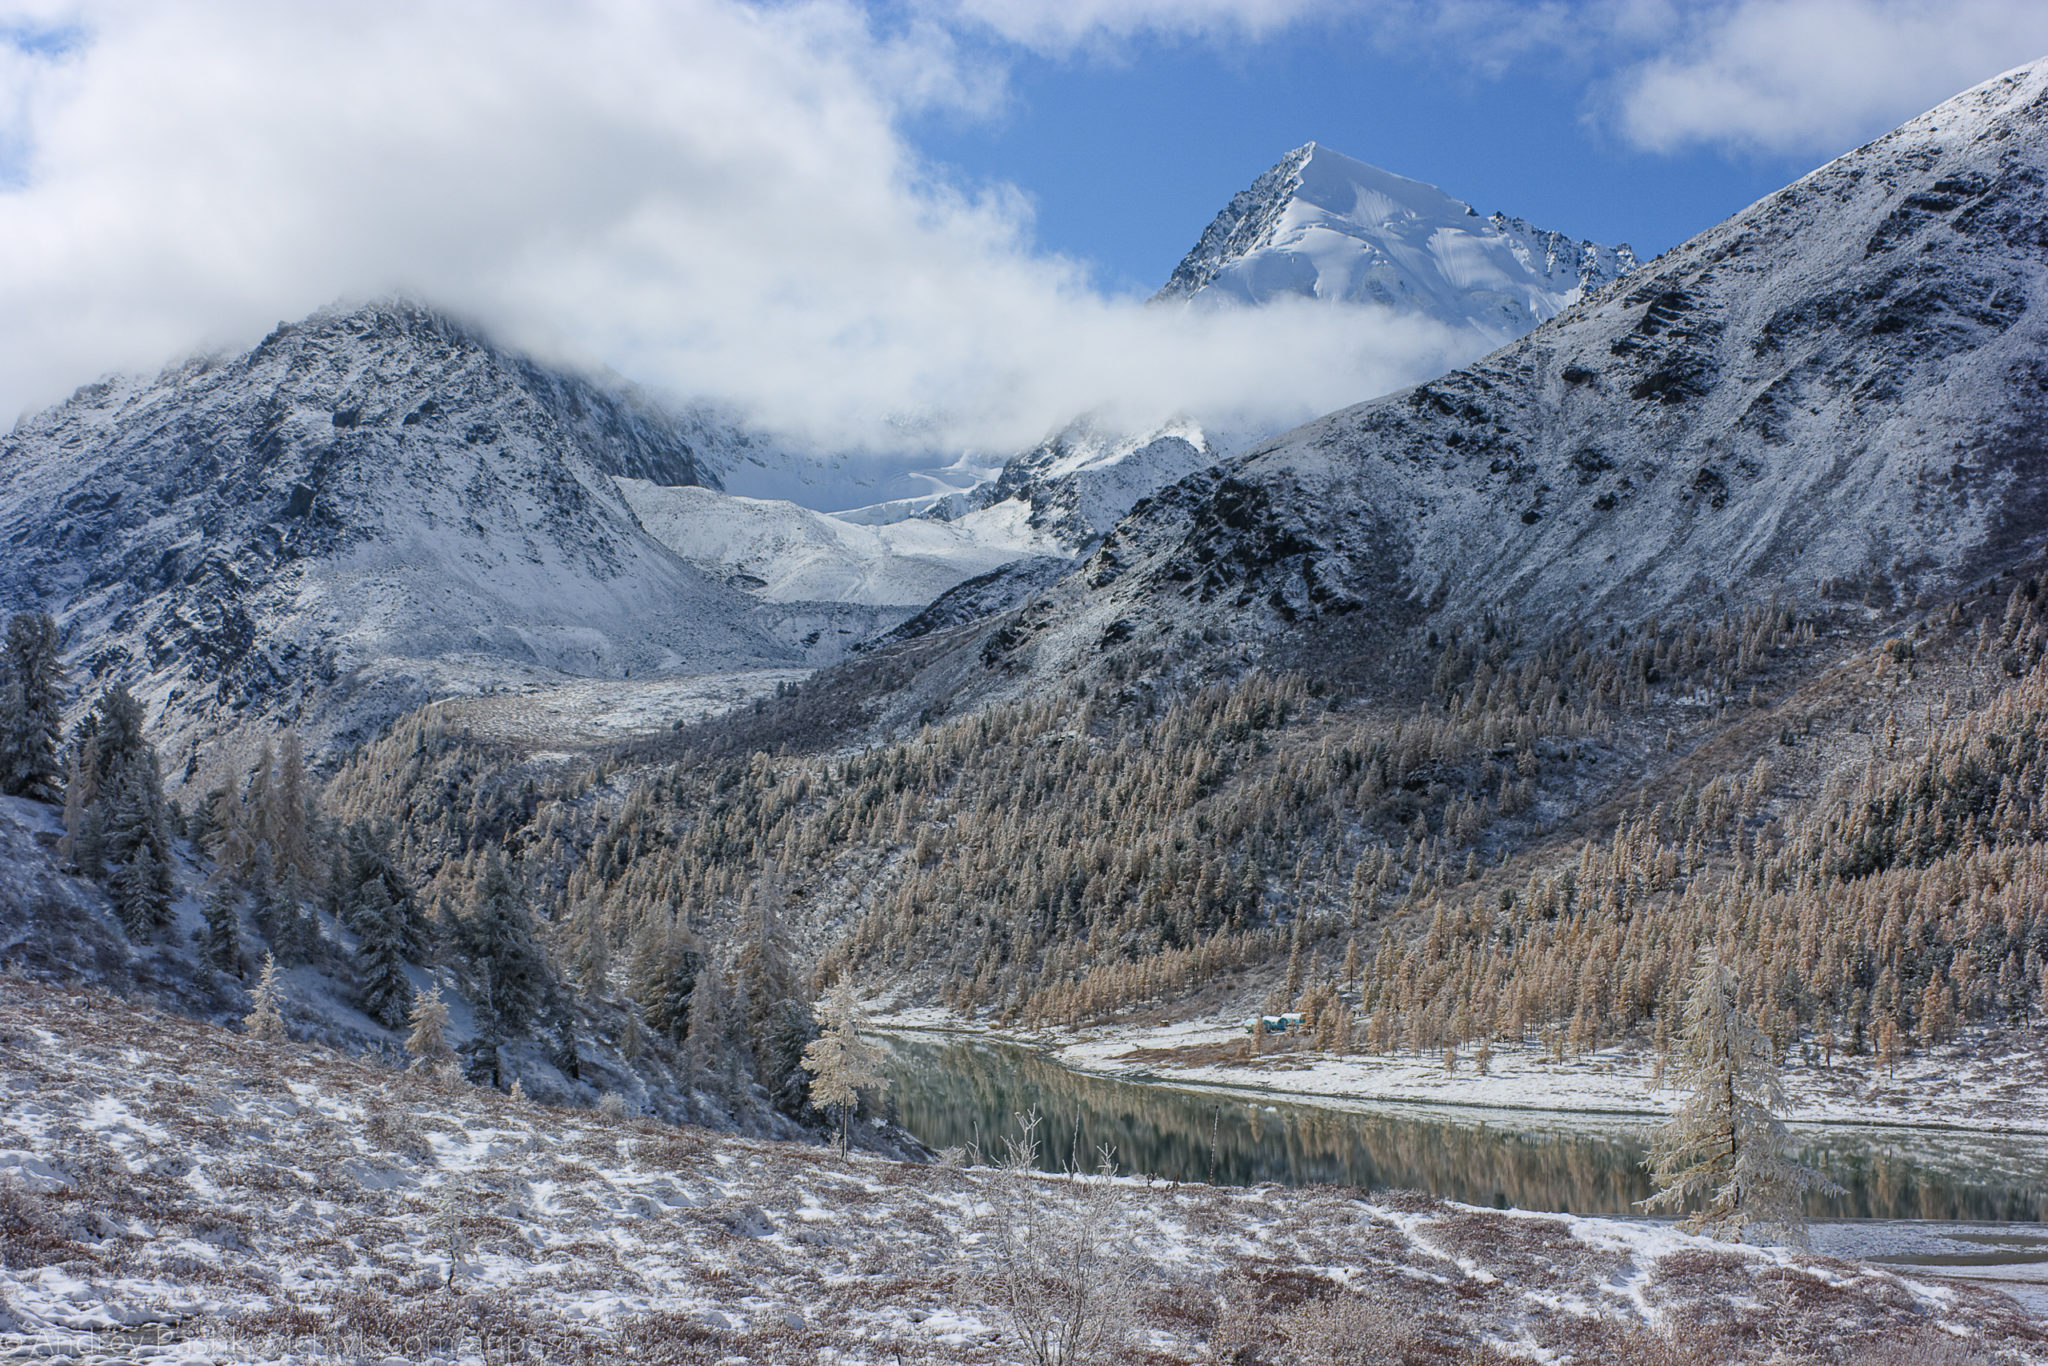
(951, 1092)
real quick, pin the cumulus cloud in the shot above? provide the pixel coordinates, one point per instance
(712, 197)
(1814, 76)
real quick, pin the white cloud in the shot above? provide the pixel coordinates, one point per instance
(1060, 25)
(1815, 76)
(709, 196)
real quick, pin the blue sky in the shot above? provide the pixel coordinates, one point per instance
(1126, 155)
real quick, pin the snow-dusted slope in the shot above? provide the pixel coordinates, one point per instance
(1840, 392)
(370, 507)
(1324, 226)
(787, 553)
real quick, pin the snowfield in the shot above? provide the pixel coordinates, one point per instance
(172, 1191)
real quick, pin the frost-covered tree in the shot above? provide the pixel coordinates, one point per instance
(32, 709)
(428, 1041)
(220, 940)
(841, 1060)
(266, 1022)
(384, 992)
(1726, 1153)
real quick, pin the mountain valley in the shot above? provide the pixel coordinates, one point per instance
(456, 823)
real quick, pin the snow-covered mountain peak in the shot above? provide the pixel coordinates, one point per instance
(1327, 226)
(370, 507)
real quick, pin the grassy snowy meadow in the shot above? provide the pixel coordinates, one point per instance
(173, 1191)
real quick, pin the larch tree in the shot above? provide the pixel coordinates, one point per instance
(266, 1021)
(1726, 1153)
(32, 709)
(841, 1060)
(428, 1042)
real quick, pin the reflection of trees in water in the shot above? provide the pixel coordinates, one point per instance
(967, 1093)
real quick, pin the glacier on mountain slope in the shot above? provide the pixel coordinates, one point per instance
(1322, 225)
(787, 553)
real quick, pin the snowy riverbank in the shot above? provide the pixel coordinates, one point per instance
(1984, 1083)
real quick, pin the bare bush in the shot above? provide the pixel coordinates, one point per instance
(1059, 1271)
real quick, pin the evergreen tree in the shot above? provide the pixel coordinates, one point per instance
(291, 825)
(220, 942)
(499, 935)
(841, 1061)
(558, 1015)
(1726, 1149)
(118, 826)
(266, 1022)
(137, 895)
(32, 709)
(385, 993)
(481, 1060)
(365, 852)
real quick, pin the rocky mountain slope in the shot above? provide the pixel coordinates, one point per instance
(371, 507)
(1321, 225)
(1837, 395)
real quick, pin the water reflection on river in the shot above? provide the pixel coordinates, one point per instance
(967, 1093)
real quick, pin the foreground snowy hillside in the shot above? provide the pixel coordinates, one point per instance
(174, 1192)
(1324, 226)
(1835, 395)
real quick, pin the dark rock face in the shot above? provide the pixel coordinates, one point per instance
(322, 528)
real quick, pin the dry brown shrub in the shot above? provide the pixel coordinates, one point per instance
(1919, 1347)
(673, 1339)
(1343, 1329)
(1407, 1202)
(1525, 1251)
(1698, 1272)
(670, 1150)
(34, 1232)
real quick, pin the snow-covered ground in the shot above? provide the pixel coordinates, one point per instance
(594, 711)
(175, 1192)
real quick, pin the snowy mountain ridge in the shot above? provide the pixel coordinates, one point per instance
(371, 508)
(1326, 226)
(1835, 397)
